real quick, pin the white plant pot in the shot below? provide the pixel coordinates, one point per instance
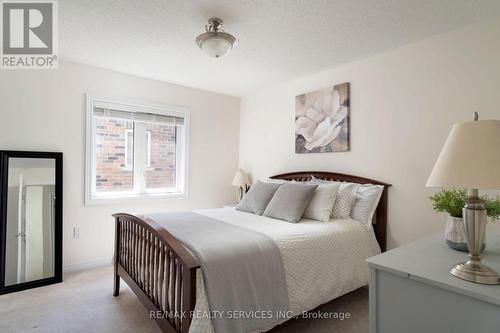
(455, 234)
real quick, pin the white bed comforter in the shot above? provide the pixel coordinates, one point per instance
(322, 260)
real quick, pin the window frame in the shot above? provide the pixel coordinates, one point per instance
(128, 166)
(182, 148)
(148, 148)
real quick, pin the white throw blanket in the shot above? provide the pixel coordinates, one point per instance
(243, 271)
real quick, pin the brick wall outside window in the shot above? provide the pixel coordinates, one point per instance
(111, 172)
(161, 172)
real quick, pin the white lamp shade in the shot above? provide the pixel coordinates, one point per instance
(240, 179)
(470, 158)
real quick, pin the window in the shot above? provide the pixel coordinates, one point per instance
(134, 150)
(148, 148)
(129, 149)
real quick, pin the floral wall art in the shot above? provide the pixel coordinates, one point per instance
(322, 120)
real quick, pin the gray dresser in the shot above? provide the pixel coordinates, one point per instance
(411, 290)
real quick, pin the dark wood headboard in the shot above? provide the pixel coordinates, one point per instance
(380, 227)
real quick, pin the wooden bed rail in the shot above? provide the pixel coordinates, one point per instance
(158, 269)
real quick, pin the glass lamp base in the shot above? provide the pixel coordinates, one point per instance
(475, 273)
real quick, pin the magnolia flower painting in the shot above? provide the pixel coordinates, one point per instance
(322, 120)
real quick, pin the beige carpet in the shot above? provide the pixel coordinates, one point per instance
(83, 303)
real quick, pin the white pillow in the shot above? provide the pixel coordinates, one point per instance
(367, 198)
(321, 204)
(345, 199)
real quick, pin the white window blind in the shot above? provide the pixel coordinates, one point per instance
(138, 116)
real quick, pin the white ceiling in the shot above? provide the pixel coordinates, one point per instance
(278, 39)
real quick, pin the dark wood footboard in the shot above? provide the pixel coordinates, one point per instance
(158, 269)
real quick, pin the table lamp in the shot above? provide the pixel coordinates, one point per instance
(241, 181)
(470, 159)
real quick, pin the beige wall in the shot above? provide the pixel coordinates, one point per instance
(45, 110)
(403, 104)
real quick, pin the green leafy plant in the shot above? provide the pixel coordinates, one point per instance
(452, 201)
(449, 201)
(492, 207)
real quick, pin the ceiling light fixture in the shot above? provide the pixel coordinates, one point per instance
(215, 42)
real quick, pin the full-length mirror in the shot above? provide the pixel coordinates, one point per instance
(31, 219)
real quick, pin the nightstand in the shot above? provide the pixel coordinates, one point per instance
(411, 290)
(230, 205)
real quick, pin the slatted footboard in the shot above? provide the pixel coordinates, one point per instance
(159, 270)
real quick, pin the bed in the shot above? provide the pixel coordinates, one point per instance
(322, 261)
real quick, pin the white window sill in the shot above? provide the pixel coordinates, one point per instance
(110, 200)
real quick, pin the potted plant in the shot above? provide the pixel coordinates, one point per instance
(452, 201)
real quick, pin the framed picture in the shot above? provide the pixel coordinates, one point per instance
(322, 120)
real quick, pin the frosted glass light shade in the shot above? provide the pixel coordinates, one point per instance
(240, 179)
(470, 158)
(216, 43)
(216, 47)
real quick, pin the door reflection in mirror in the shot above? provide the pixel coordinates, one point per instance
(30, 220)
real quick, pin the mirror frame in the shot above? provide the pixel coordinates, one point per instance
(58, 228)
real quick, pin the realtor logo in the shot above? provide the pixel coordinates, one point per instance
(29, 34)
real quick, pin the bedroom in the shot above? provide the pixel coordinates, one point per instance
(186, 122)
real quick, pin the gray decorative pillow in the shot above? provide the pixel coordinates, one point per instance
(367, 198)
(256, 200)
(344, 200)
(290, 201)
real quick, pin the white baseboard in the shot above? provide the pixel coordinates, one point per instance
(88, 265)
